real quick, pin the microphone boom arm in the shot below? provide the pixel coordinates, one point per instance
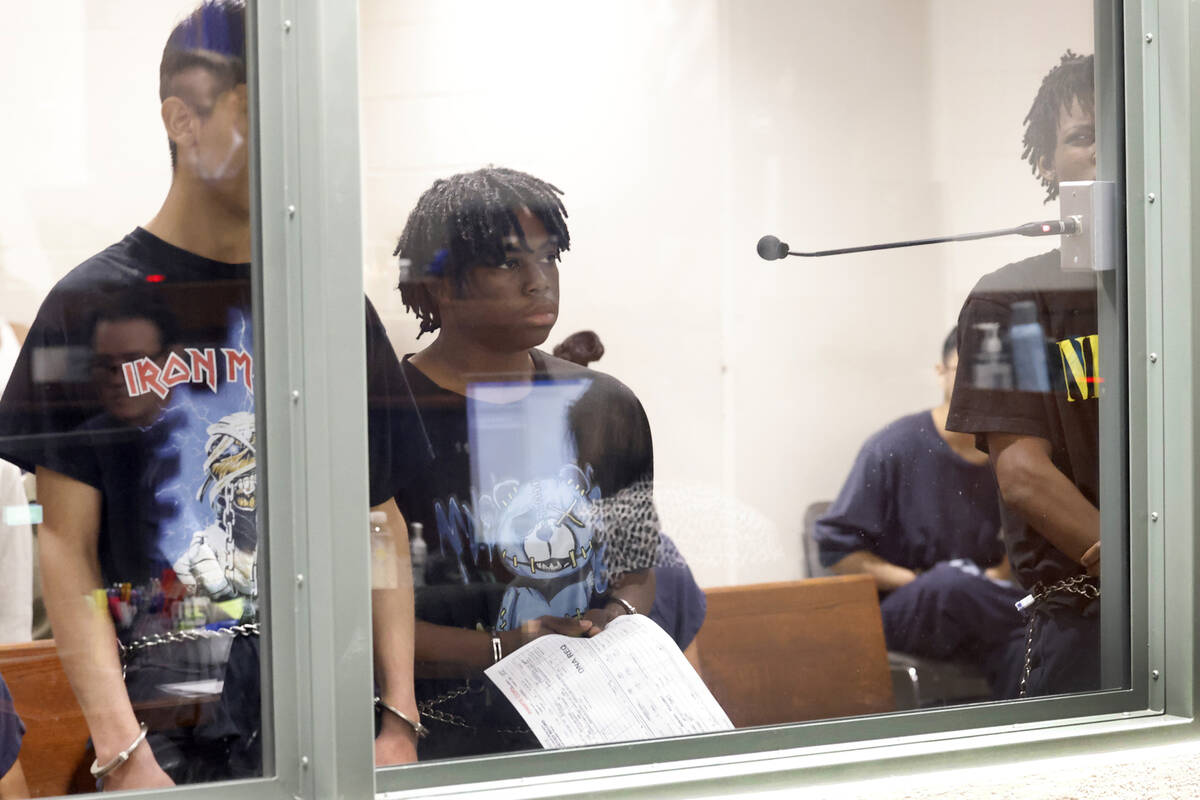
(1054, 227)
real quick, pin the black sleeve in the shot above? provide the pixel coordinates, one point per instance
(612, 435)
(977, 408)
(858, 517)
(384, 387)
(48, 396)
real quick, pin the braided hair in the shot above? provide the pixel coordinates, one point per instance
(1073, 79)
(461, 222)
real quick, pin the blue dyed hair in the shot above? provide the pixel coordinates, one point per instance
(213, 38)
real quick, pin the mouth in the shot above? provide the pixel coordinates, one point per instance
(543, 315)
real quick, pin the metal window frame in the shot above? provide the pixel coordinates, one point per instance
(319, 628)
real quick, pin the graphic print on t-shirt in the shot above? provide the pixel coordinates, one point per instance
(207, 523)
(522, 512)
(1080, 356)
(543, 531)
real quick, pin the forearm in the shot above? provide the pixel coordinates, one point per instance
(635, 588)
(442, 644)
(887, 576)
(392, 617)
(86, 641)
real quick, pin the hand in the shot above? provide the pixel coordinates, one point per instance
(1091, 560)
(141, 771)
(600, 617)
(396, 742)
(534, 628)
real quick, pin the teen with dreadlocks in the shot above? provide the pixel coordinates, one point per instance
(150, 507)
(528, 476)
(1043, 445)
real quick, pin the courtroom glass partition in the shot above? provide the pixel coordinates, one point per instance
(699, 432)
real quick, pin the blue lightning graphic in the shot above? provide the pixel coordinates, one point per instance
(189, 412)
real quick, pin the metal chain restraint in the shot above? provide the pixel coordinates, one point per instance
(127, 651)
(428, 710)
(1078, 584)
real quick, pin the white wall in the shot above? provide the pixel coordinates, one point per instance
(681, 131)
(84, 154)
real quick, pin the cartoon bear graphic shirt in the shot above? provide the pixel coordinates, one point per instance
(530, 499)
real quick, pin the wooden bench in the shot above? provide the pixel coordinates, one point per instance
(774, 653)
(55, 754)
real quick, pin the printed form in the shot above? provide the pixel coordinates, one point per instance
(628, 682)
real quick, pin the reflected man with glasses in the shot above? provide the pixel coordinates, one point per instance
(133, 400)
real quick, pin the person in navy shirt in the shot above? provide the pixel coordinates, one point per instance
(920, 514)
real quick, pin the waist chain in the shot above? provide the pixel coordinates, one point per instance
(1083, 585)
(128, 651)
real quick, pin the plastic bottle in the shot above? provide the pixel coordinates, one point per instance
(991, 370)
(419, 551)
(1028, 348)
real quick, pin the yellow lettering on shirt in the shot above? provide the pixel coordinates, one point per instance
(1079, 366)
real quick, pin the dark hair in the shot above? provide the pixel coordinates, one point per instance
(1073, 79)
(581, 347)
(461, 222)
(136, 303)
(950, 345)
(213, 37)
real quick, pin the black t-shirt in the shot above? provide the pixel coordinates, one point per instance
(914, 502)
(530, 504)
(1067, 416)
(167, 437)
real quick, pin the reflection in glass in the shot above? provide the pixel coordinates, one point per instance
(762, 380)
(132, 400)
(1031, 396)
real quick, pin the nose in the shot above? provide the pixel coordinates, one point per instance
(538, 278)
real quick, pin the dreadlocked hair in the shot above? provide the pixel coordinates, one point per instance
(1073, 79)
(461, 222)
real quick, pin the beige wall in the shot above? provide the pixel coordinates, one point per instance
(84, 154)
(681, 131)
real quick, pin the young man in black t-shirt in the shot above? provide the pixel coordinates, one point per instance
(530, 477)
(140, 427)
(1040, 428)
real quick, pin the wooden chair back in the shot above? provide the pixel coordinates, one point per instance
(55, 754)
(774, 653)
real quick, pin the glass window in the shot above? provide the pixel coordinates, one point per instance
(128, 418)
(637, 383)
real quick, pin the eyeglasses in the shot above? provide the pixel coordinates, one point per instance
(104, 366)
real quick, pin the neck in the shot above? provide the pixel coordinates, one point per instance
(963, 444)
(452, 361)
(195, 219)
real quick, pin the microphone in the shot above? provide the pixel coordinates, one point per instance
(770, 248)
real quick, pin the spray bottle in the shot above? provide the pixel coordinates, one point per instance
(991, 370)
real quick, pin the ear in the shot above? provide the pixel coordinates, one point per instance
(1046, 170)
(177, 118)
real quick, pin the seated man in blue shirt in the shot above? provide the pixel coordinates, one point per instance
(920, 514)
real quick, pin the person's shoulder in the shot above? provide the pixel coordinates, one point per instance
(1035, 272)
(116, 264)
(898, 434)
(561, 369)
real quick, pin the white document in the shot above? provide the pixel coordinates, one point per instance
(628, 682)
